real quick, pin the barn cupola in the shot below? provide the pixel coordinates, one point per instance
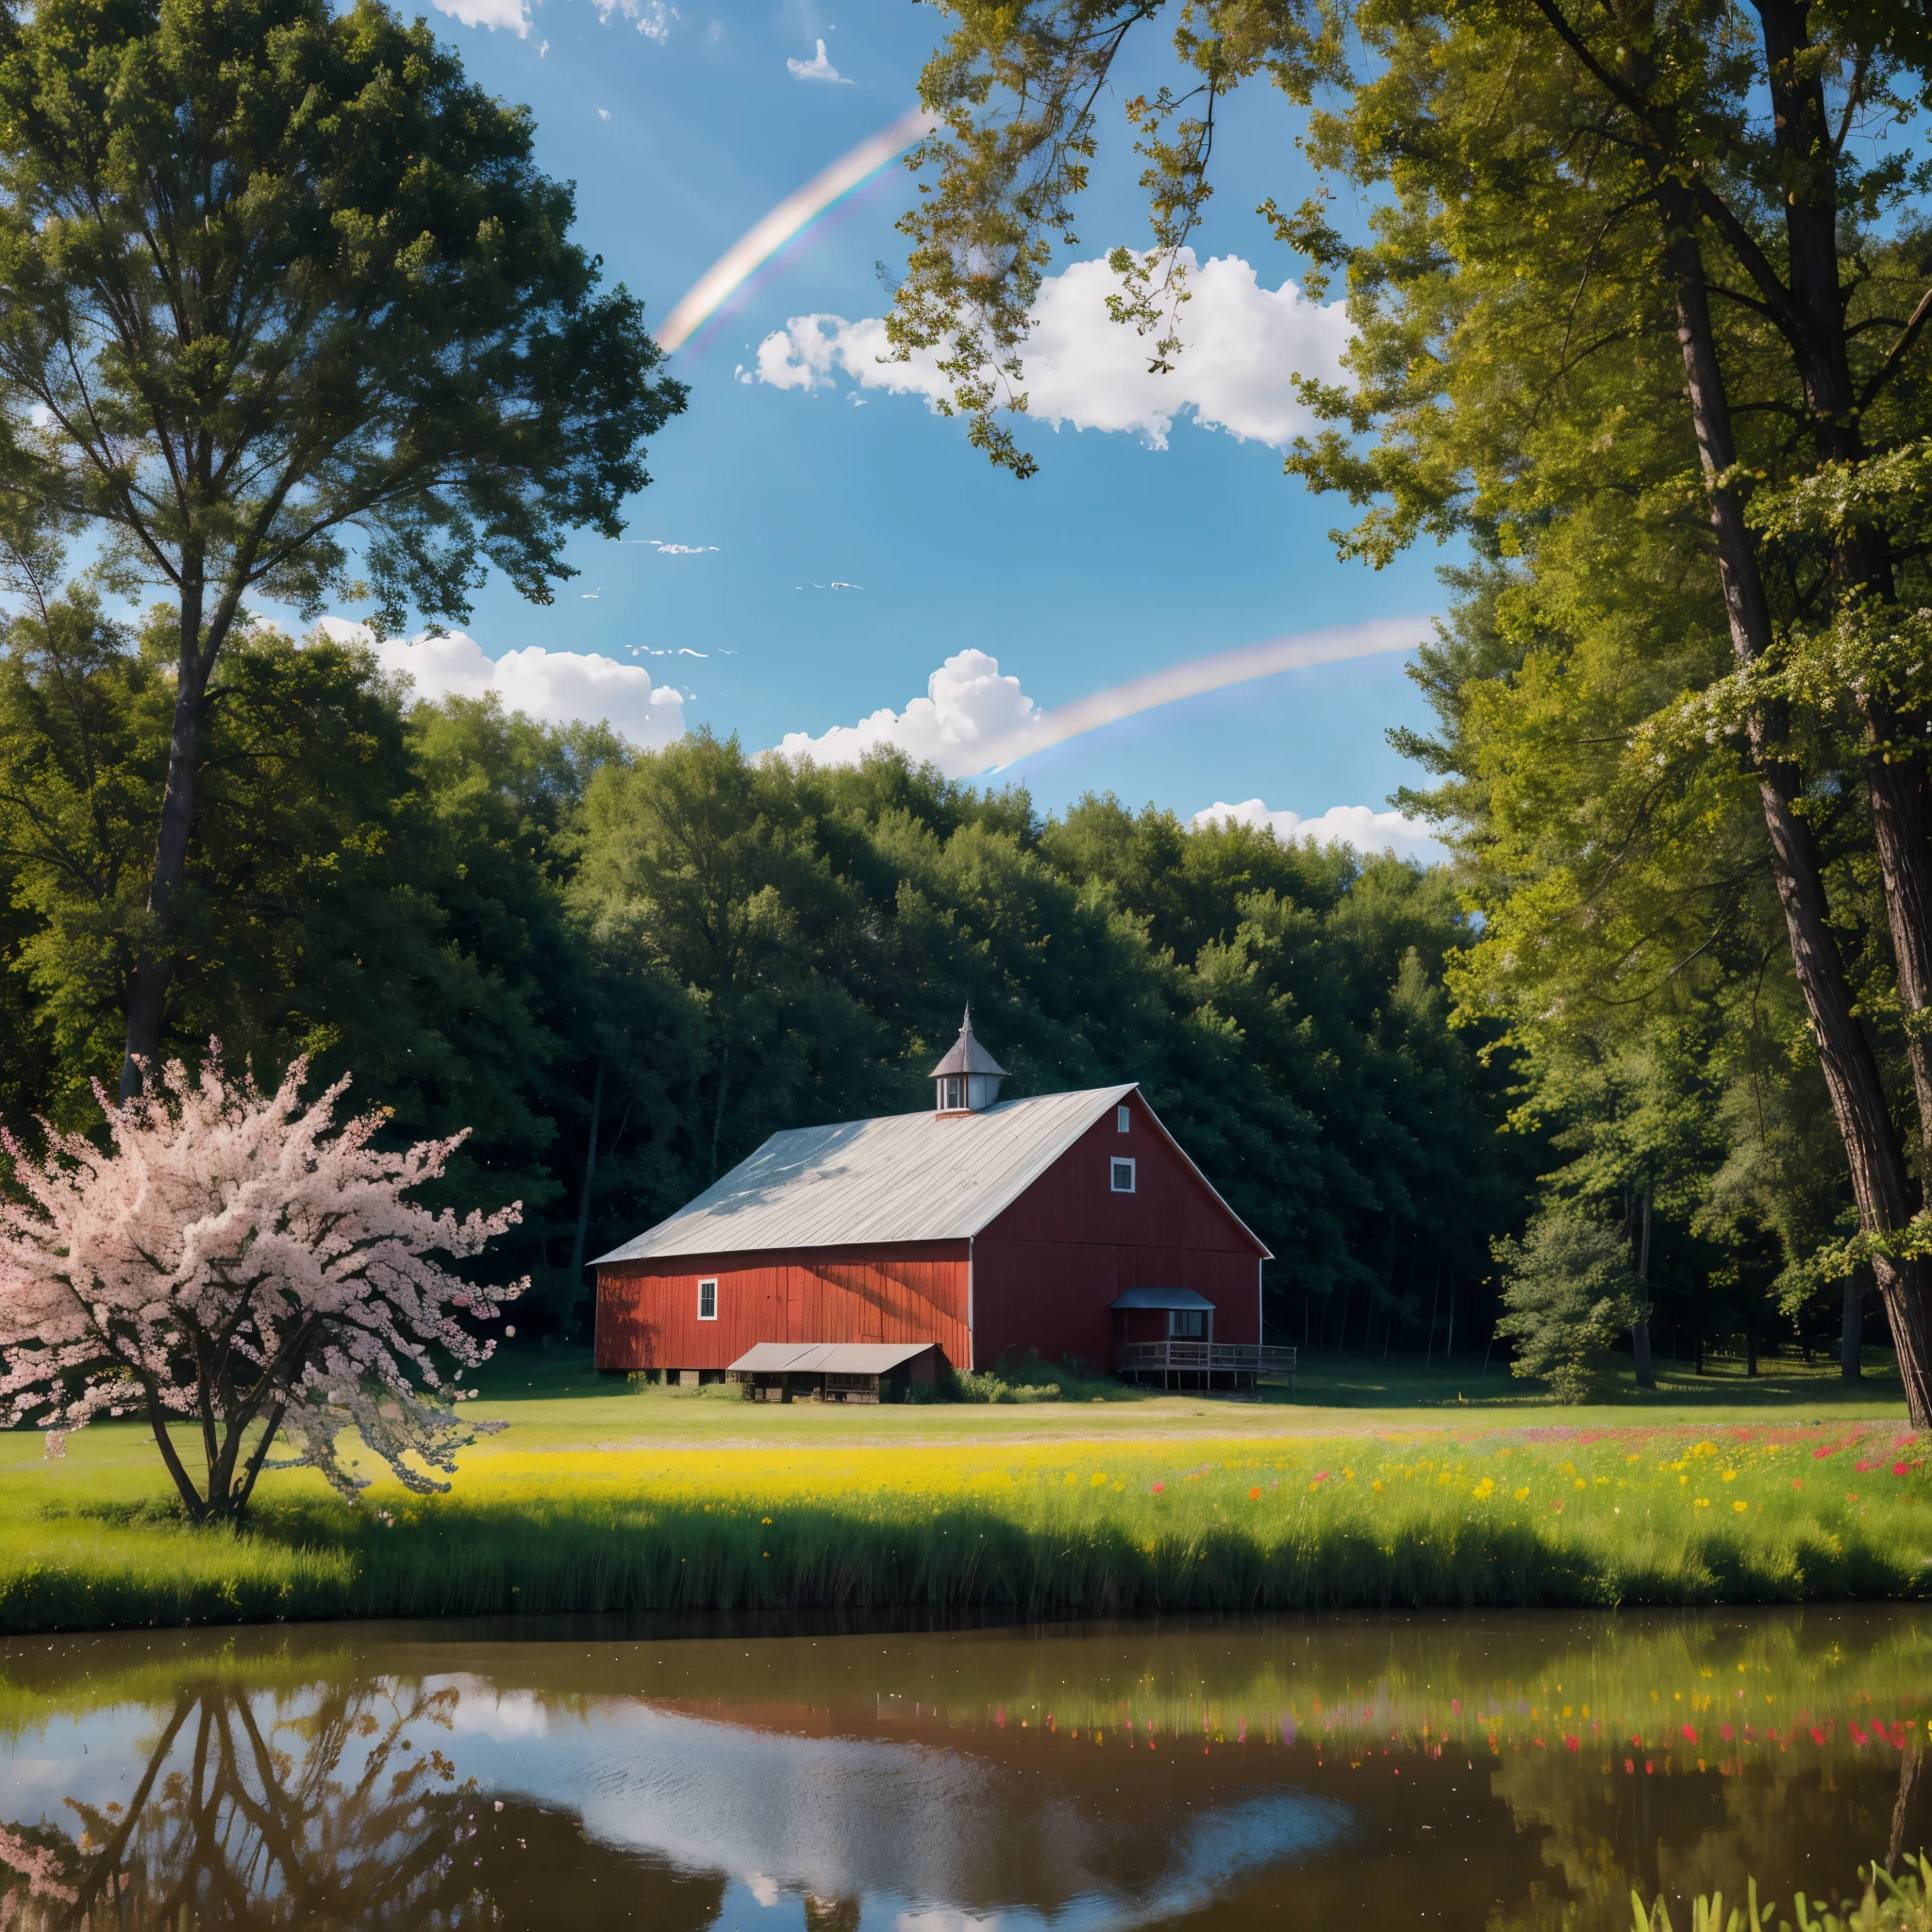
(969, 1077)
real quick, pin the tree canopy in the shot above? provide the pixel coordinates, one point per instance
(291, 313)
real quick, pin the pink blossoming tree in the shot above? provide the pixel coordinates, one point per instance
(232, 1257)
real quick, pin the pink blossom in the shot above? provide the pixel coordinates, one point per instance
(249, 1234)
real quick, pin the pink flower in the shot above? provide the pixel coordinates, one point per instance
(1819, 1455)
(1898, 1469)
(1322, 1475)
(1158, 1486)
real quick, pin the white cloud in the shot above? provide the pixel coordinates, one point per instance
(1349, 824)
(1242, 346)
(968, 706)
(653, 19)
(558, 687)
(664, 549)
(817, 68)
(513, 14)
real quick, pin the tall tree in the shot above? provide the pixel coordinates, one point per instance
(290, 312)
(1685, 194)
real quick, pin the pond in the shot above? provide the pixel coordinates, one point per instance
(1519, 1769)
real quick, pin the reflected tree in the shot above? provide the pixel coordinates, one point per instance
(326, 1815)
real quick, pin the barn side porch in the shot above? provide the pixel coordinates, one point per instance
(1204, 1365)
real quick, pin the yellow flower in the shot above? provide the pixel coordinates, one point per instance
(1741, 1507)
(1703, 1503)
(1581, 1484)
(1523, 1495)
(1377, 1486)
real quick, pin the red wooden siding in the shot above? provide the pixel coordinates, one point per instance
(647, 1312)
(1044, 1271)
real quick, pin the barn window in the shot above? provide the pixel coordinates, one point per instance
(707, 1301)
(1123, 1176)
(1183, 1324)
(1123, 1119)
(953, 1093)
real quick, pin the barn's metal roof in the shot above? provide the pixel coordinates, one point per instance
(827, 1357)
(902, 1178)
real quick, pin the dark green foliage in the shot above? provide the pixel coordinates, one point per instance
(1569, 1292)
(491, 924)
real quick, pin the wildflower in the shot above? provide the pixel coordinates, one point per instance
(1523, 1495)
(1898, 1469)
(1158, 1486)
(1377, 1486)
(1741, 1507)
(1255, 1495)
(1703, 1503)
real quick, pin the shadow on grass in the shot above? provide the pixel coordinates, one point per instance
(461, 1559)
(1369, 1382)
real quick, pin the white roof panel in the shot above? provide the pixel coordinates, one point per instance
(829, 1357)
(902, 1178)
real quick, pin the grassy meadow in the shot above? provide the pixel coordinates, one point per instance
(1380, 1485)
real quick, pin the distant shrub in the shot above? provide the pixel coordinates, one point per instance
(1568, 1291)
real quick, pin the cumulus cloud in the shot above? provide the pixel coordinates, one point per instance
(817, 68)
(969, 708)
(1242, 346)
(513, 14)
(1349, 824)
(558, 687)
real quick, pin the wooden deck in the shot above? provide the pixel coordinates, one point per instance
(1205, 1364)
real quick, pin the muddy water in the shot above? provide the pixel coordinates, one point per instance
(1468, 1772)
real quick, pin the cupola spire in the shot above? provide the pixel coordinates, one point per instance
(969, 1077)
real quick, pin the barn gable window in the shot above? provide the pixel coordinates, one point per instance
(1122, 1177)
(1123, 1119)
(707, 1301)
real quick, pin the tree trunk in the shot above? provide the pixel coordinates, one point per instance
(1435, 1308)
(577, 1250)
(1861, 562)
(1640, 1333)
(1879, 1182)
(1851, 1357)
(147, 995)
(1449, 1340)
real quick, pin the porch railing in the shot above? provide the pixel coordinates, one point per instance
(1204, 1358)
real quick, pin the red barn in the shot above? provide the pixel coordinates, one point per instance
(1073, 1223)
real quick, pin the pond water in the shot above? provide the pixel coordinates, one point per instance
(1474, 1771)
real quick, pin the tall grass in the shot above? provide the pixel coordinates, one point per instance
(1539, 1517)
(1887, 1904)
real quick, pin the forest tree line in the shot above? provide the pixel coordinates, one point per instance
(537, 932)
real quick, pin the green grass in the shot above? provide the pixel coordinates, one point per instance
(1380, 1485)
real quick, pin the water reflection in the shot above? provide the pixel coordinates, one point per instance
(1482, 1773)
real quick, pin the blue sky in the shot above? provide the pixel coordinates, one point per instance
(680, 129)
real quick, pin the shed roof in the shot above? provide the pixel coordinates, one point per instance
(829, 1357)
(1160, 1298)
(902, 1178)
